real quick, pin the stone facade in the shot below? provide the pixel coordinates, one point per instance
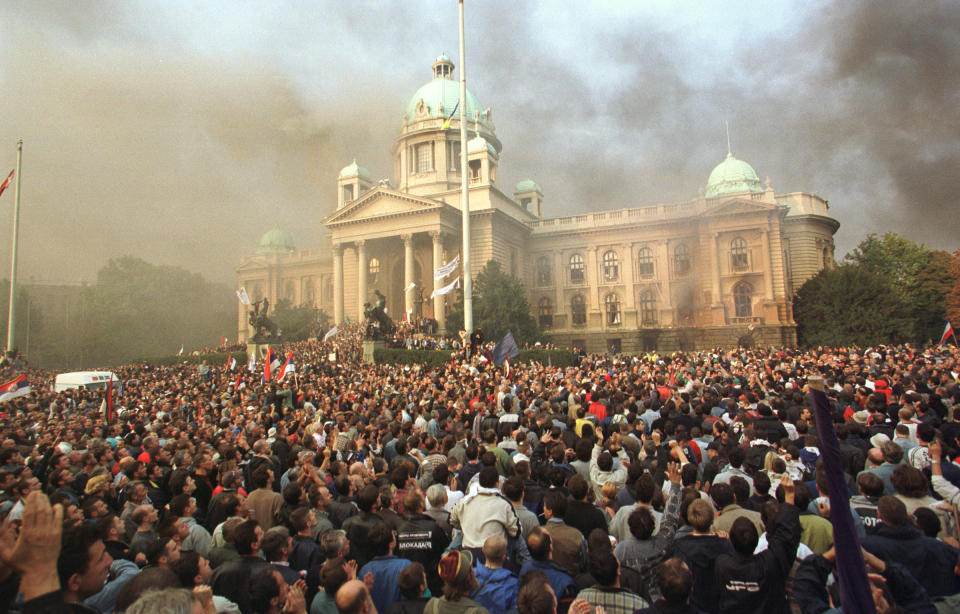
(716, 270)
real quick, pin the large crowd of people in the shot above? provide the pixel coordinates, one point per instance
(658, 483)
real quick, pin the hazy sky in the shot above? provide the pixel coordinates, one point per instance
(181, 131)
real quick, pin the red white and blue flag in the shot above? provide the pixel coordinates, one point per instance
(947, 333)
(288, 368)
(6, 183)
(17, 387)
(232, 363)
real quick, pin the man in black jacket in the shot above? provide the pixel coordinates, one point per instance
(751, 582)
(359, 525)
(421, 539)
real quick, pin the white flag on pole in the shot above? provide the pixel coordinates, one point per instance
(410, 287)
(242, 295)
(446, 269)
(330, 333)
(446, 289)
(252, 365)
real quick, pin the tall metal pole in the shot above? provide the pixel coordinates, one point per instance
(464, 190)
(12, 318)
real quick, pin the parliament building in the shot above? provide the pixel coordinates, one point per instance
(717, 270)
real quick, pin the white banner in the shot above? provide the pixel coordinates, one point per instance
(446, 269)
(446, 289)
(242, 295)
(330, 333)
(410, 287)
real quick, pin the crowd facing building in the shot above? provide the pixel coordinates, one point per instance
(710, 271)
(686, 482)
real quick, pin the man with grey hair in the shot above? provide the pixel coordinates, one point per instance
(436, 500)
(334, 544)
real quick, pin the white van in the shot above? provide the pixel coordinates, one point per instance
(90, 380)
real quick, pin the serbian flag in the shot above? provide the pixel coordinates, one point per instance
(107, 405)
(17, 387)
(947, 333)
(223, 341)
(232, 362)
(6, 183)
(288, 368)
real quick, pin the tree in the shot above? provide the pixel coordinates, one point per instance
(850, 305)
(138, 310)
(297, 323)
(499, 306)
(953, 297)
(919, 278)
(928, 301)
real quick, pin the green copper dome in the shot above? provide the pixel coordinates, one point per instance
(733, 176)
(441, 95)
(528, 185)
(275, 241)
(446, 92)
(354, 170)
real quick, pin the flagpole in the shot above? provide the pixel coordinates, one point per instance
(11, 314)
(464, 190)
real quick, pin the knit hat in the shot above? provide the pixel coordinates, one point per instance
(455, 566)
(861, 417)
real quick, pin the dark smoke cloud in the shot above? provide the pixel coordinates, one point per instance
(138, 143)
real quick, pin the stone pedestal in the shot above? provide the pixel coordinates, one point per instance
(369, 347)
(258, 350)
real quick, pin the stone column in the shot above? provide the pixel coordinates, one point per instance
(767, 263)
(407, 272)
(438, 301)
(717, 298)
(337, 283)
(362, 268)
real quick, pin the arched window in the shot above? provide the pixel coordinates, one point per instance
(645, 263)
(611, 266)
(577, 270)
(373, 269)
(743, 299)
(681, 260)
(578, 310)
(738, 254)
(648, 308)
(612, 307)
(544, 274)
(545, 312)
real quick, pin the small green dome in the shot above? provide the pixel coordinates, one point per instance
(275, 241)
(528, 185)
(733, 176)
(354, 170)
(478, 144)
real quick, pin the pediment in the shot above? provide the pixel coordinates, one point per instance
(738, 206)
(382, 202)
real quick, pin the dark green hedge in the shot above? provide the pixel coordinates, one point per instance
(438, 358)
(218, 358)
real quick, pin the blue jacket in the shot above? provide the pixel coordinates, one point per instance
(928, 560)
(385, 589)
(497, 590)
(560, 581)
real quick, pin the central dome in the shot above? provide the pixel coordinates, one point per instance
(733, 176)
(275, 241)
(441, 95)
